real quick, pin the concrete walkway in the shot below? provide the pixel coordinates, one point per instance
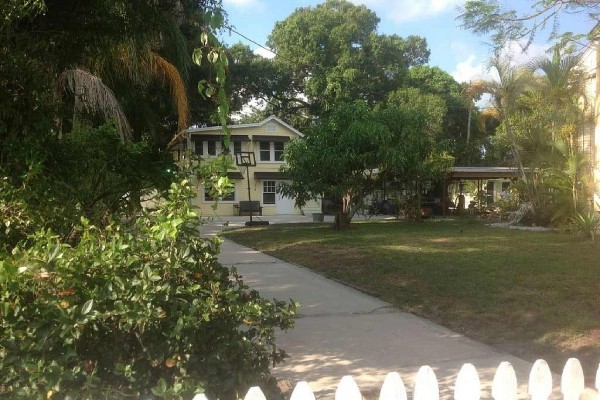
(342, 331)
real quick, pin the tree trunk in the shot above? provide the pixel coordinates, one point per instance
(343, 218)
(469, 126)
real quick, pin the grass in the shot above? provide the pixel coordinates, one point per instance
(532, 294)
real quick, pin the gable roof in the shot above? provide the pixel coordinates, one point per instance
(242, 126)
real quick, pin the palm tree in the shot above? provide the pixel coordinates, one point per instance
(511, 83)
(563, 86)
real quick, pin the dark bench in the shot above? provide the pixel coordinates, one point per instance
(247, 207)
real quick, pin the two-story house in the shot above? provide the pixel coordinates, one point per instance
(267, 139)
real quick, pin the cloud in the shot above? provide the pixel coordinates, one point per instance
(469, 70)
(410, 10)
(264, 52)
(245, 4)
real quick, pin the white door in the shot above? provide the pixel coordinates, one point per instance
(284, 205)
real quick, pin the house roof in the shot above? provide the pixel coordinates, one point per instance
(243, 126)
(483, 173)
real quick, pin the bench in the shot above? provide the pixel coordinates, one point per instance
(247, 207)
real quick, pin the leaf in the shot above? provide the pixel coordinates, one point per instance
(197, 57)
(87, 307)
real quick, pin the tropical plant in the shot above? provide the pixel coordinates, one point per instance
(586, 224)
(137, 308)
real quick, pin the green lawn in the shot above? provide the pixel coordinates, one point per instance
(533, 294)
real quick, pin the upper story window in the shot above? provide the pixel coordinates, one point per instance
(206, 147)
(213, 147)
(271, 151)
(271, 127)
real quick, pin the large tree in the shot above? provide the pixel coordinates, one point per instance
(357, 149)
(334, 54)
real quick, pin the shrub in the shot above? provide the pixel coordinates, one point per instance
(586, 224)
(132, 309)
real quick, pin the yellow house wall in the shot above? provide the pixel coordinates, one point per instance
(591, 132)
(226, 208)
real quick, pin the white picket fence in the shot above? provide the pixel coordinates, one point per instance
(467, 386)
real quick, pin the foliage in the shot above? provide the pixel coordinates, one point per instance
(490, 17)
(334, 55)
(586, 224)
(132, 309)
(141, 52)
(88, 173)
(418, 154)
(338, 159)
(357, 149)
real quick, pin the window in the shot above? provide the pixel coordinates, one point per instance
(205, 147)
(227, 197)
(505, 186)
(198, 148)
(268, 192)
(237, 147)
(271, 151)
(278, 146)
(271, 127)
(212, 147)
(265, 151)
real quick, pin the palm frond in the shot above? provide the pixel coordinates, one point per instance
(169, 74)
(91, 95)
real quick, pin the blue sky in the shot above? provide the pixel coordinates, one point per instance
(456, 51)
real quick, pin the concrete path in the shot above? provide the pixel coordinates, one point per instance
(344, 332)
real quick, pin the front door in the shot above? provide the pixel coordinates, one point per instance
(284, 205)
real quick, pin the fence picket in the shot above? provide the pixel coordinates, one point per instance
(572, 380)
(426, 385)
(255, 394)
(504, 385)
(393, 388)
(598, 381)
(302, 391)
(347, 389)
(540, 381)
(468, 386)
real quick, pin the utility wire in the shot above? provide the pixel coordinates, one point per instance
(251, 41)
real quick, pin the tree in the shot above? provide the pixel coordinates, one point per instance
(334, 55)
(418, 154)
(511, 83)
(489, 17)
(357, 149)
(459, 114)
(337, 160)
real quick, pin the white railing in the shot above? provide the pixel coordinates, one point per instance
(467, 386)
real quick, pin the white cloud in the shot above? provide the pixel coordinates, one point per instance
(410, 10)
(245, 4)
(264, 52)
(469, 70)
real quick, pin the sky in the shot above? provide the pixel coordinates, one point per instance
(453, 49)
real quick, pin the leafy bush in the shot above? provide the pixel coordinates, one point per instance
(586, 224)
(132, 309)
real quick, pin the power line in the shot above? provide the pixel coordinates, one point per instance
(251, 41)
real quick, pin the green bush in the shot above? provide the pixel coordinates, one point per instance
(586, 224)
(132, 309)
